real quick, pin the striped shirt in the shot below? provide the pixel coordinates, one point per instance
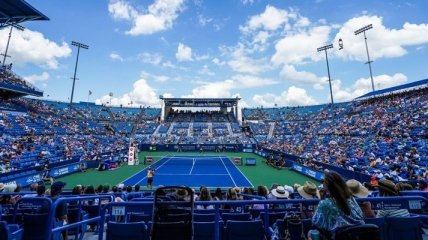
(393, 213)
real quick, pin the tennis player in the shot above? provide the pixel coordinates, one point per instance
(150, 174)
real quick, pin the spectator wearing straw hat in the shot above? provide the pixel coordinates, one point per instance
(359, 191)
(389, 189)
(308, 191)
(280, 193)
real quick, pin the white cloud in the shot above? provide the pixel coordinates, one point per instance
(32, 47)
(203, 21)
(363, 86)
(382, 41)
(241, 62)
(213, 90)
(159, 16)
(142, 94)
(37, 78)
(121, 10)
(184, 53)
(248, 2)
(271, 19)
(218, 62)
(224, 88)
(156, 78)
(298, 47)
(289, 73)
(293, 96)
(115, 56)
(151, 58)
(206, 71)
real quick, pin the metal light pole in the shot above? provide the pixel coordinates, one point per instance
(20, 28)
(78, 45)
(325, 48)
(363, 30)
(111, 95)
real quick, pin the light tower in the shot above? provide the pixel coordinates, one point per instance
(363, 30)
(12, 26)
(325, 48)
(78, 45)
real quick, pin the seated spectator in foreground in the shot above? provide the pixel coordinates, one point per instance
(388, 189)
(204, 195)
(280, 194)
(359, 191)
(61, 210)
(262, 191)
(308, 191)
(338, 207)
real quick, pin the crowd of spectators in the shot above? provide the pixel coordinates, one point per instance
(385, 135)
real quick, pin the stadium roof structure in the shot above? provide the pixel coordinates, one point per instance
(18, 11)
(403, 87)
(200, 102)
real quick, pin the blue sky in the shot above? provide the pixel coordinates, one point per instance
(262, 51)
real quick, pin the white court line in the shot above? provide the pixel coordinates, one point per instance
(143, 170)
(193, 165)
(195, 174)
(155, 169)
(240, 171)
(234, 183)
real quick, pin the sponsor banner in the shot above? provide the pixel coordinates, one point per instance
(308, 172)
(26, 180)
(59, 171)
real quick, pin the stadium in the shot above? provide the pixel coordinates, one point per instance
(206, 165)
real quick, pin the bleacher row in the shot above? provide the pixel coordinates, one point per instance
(34, 217)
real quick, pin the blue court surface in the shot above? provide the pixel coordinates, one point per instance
(193, 171)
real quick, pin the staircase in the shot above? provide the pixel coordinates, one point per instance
(170, 128)
(229, 128)
(110, 113)
(190, 130)
(210, 129)
(271, 130)
(139, 120)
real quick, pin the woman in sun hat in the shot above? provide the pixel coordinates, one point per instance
(308, 191)
(359, 191)
(280, 193)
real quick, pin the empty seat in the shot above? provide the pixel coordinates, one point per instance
(203, 217)
(206, 230)
(272, 217)
(380, 222)
(10, 231)
(359, 232)
(171, 230)
(35, 226)
(400, 228)
(236, 216)
(244, 230)
(129, 231)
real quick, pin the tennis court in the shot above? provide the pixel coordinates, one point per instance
(193, 171)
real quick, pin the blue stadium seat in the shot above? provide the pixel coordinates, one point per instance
(131, 231)
(244, 230)
(206, 230)
(272, 216)
(400, 228)
(139, 217)
(203, 217)
(35, 226)
(170, 230)
(380, 222)
(10, 231)
(236, 217)
(358, 232)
